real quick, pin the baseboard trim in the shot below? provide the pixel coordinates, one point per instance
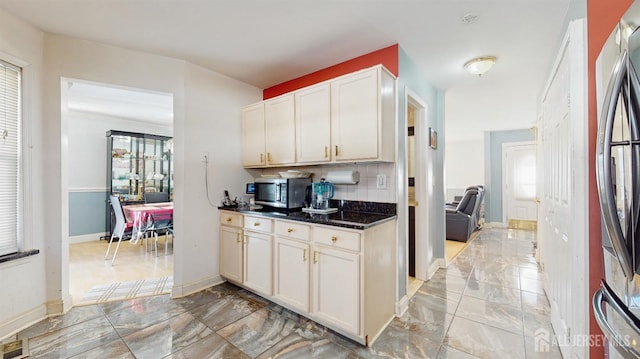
(495, 225)
(435, 265)
(402, 305)
(182, 290)
(86, 238)
(22, 321)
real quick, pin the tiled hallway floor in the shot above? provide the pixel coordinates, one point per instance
(487, 304)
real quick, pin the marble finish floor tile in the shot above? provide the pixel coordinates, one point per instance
(484, 341)
(258, 331)
(488, 303)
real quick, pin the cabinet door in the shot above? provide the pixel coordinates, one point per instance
(231, 253)
(280, 130)
(336, 288)
(291, 273)
(355, 116)
(257, 262)
(313, 124)
(253, 136)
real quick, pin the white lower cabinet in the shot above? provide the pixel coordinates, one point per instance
(336, 288)
(341, 278)
(292, 273)
(231, 253)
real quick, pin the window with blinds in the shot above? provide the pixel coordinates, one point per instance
(10, 115)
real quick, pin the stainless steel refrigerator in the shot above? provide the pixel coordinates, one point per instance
(617, 303)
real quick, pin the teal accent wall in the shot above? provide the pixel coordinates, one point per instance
(412, 77)
(493, 160)
(87, 213)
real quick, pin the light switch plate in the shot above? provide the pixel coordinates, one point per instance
(381, 181)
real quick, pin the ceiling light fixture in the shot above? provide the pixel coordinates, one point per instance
(480, 65)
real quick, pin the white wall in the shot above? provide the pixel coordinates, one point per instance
(365, 190)
(88, 145)
(465, 165)
(23, 282)
(207, 121)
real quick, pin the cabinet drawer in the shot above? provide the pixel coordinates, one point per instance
(231, 219)
(292, 230)
(337, 238)
(259, 224)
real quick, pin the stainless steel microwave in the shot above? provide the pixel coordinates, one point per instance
(286, 193)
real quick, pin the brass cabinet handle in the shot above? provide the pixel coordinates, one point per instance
(238, 240)
(256, 224)
(336, 150)
(261, 157)
(228, 219)
(289, 230)
(315, 256)
(268, 157)
(304, 255)
(334, 239)
(326, 152)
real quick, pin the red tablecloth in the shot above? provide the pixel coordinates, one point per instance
(140, 216)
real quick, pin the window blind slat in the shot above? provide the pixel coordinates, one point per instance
(10, 83)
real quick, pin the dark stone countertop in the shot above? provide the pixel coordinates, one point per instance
(347, 217)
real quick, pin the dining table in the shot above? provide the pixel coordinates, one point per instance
(141, 216)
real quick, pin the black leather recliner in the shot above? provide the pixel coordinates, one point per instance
(462, 220)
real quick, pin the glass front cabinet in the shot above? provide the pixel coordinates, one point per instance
(138, 163)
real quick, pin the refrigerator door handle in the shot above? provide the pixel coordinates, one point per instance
(621, 343)
(603, 166)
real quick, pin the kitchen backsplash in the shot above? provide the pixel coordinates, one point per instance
(365, 190)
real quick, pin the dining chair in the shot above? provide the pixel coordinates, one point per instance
(120, 227)
(161, 223)
(156, 197)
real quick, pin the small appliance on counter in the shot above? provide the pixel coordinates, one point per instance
(321, 193)
(227, 202)
(284, 193)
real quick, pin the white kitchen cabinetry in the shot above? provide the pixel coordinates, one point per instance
(258, 240)
(337, 288)
(253, 136)
(342, 278)
(363, 116)
(346, 119)
(280, 130)
(313, 124)
(231, 243)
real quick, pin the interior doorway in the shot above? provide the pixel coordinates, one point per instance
(520, 209)
(418, 177)
(88, 111)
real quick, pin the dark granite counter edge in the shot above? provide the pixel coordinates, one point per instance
(18, 255)
(357, 226)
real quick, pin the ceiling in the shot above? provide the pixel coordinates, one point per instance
(265, 42)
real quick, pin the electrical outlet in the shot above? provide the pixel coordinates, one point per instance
(381, 181)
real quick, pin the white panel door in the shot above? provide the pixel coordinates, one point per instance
(519, 181)
(313, 124)
(280, 135)
(563, 182)
(253, 136)
(355, 116)
(291, 273)
(257, 262)
(231, 253)
(336, 288)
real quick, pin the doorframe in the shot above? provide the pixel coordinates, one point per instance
(423, 182)
(504, 171)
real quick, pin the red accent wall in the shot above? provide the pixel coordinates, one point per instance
(387, 57)
(602, 16)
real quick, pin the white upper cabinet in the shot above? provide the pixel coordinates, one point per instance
(363, 116)
(253, 136)
(280, 134)
(313, 124)
(347, 119)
